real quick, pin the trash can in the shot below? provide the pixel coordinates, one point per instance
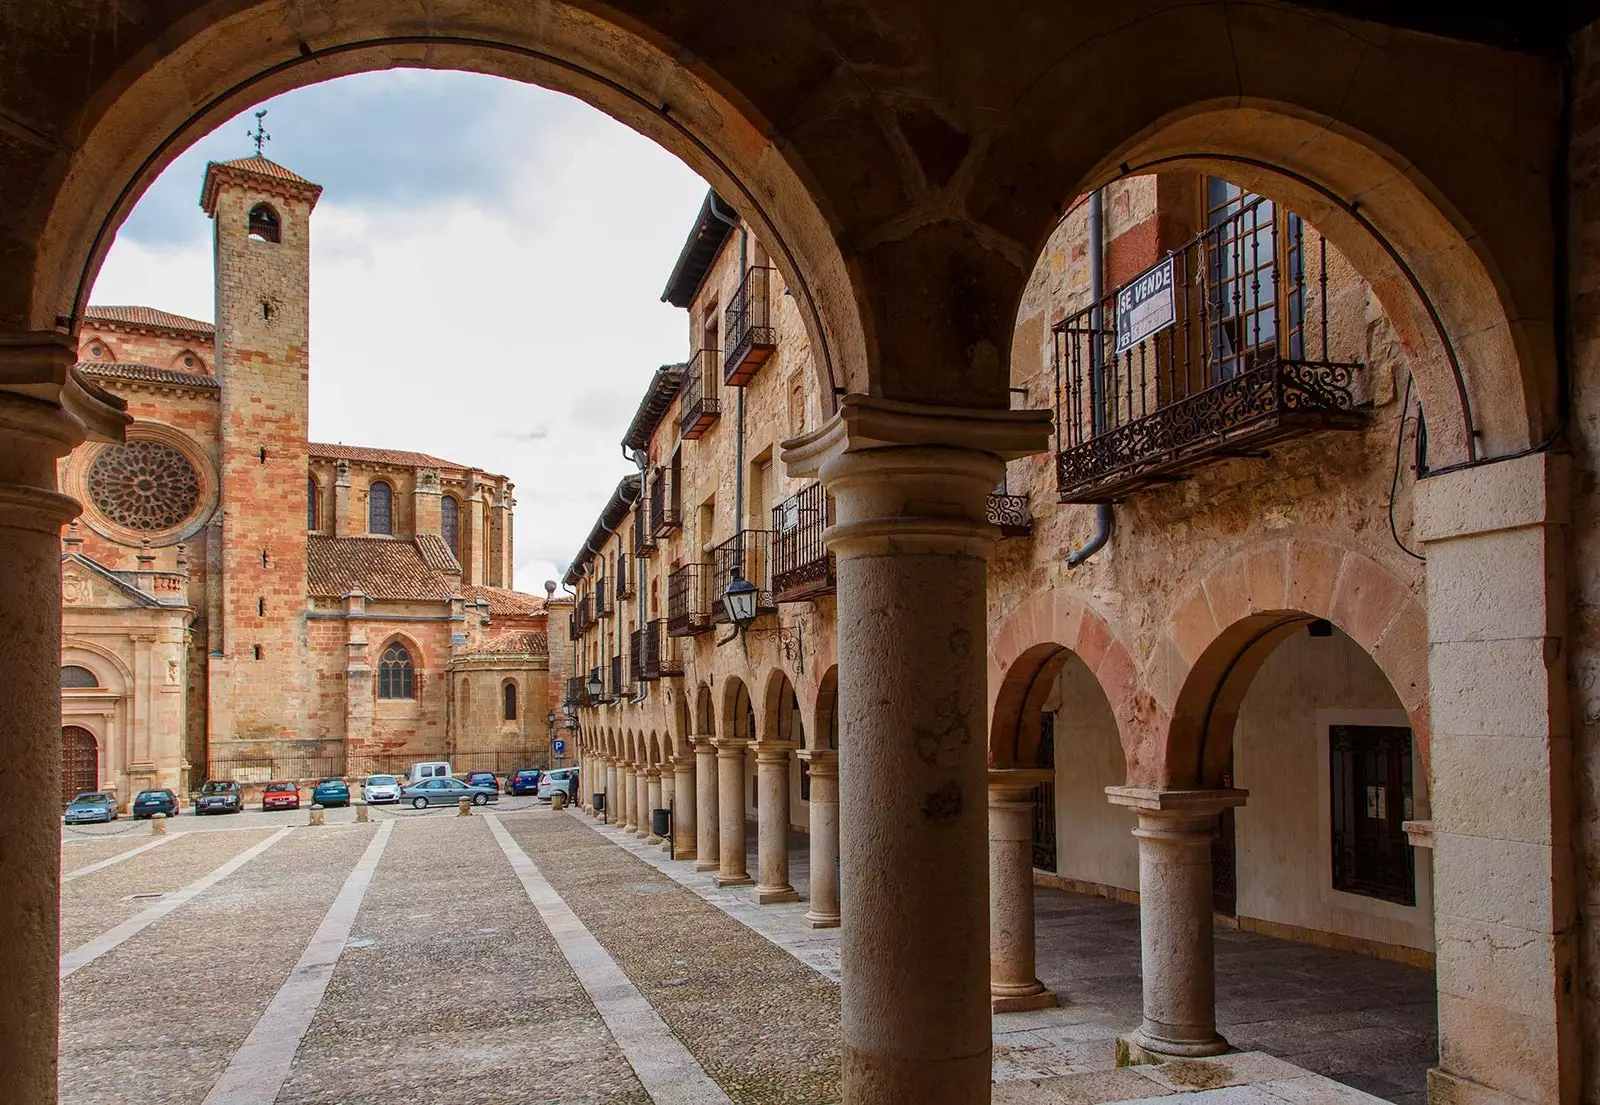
(660, 820)
(599, 801)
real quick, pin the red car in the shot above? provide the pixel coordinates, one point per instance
(280, 796)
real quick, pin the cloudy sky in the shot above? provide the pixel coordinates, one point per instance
(486, 271)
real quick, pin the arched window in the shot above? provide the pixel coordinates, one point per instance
(264, 224)
(380, 508)
(510, 711)
(396, 675)
(74, 676)
(449, 523)
(311, 503)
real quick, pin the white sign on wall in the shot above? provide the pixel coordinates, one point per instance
(1145, 306)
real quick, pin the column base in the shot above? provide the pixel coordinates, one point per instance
(772, 895)
(1042, 998)
(1136, 1048)
(822, 920)
(1444, 1086)
(653, 839)
(706, 865)
(732, 880)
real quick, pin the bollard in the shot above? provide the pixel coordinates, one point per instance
(316, 815)
(158, 824)
(558, 799)
(464, 808)
(361, 813)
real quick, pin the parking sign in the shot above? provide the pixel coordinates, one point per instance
(559, 747)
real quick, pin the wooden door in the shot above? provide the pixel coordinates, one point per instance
(80, 763)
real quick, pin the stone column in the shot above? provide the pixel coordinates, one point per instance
(613, 791)
(641, 800)
(57, 413)
(910, 487)
(629, 815)
(652, 804)
(730, 812)
(1505, 879)
(708, 842)
(772, 859)
(824, 893)
(1013, 986)
(684, 800)
(1177, 949)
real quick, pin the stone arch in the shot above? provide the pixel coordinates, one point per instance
(824, 729)
(705, 716)
(655, 749)
(419, 665)
(682, 728)
(114, 675)
(189, 361)
(1222, 630)
(738, 710)
(780, 711)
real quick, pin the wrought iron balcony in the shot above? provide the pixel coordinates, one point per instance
(748, 329)
(802, 566)
(626, 580)
(1010, 513)
(602, 605)
(582, 617)
(576, 694)
(669, 654)
(645, 648)
(665, 515)
(749, 552)
(1205, 356)
(574, 630)
(689, 600)
(615, 687)
(636, 657)
(644, 538)
(698, 404)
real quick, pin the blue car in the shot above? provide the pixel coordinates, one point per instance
(148, 803)
(331, 792)
(92, 805)
(525, 781)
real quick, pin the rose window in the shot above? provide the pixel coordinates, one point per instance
(144, 485)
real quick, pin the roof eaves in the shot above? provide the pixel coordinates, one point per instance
(658, 397)
(700, 249)
(611, 516)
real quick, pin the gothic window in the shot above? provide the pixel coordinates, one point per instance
(396, 674)
(380, 508)
(264, 224)
(146, 486)
(449, 523)
(510, 711)
(311, 503)
(1371, 783)
(74, 676)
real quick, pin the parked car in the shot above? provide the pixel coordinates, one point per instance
(91, 805)
(446, 792)
(219, 796)
(564, 779)
(483, 779)
(331, 792)
(380, 788)
(148, 803)
(280, 796)
(525, 781)
(433, 769)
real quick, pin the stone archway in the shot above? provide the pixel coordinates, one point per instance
(80, 762)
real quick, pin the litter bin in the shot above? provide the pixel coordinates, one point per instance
(660, 820)
(600, 801)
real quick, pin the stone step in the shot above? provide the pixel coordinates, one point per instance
(1242, 1078)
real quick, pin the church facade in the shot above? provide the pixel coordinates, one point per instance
(241, 602)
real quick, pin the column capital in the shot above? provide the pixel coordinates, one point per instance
(1015, 784)
(653, 772)
(865, 422)
(773, 751)
(729, 746)
(822, 761)
(683, 761)
(1176, 811)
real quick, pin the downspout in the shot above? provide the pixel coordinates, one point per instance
(1104, 519)
(738, 433)
(641, 460)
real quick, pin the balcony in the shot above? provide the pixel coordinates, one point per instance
(615, 687)
(637, 658)
(1010, 513)
(747, 328)
(665, 514)
(698, 404)
(605, 696)
(646, 652)
(668, 653)
(750, 553)
(582, 617)
(626, 581)
(574, 629)
(1206, 356)
(689, 600)
(602, 605)
(644, 538)
(576, 695)
(802, 567)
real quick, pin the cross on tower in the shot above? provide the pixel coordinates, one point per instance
(259, 136)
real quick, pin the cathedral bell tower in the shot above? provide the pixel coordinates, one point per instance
(259, 670)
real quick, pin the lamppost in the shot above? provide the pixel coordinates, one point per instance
(739, 600)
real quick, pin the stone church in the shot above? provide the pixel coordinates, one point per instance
(241, 602)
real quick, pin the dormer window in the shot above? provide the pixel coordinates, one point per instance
(264, 225)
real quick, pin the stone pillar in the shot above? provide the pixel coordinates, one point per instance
(1013, 986)
(772, 859)
(641, 800)
(652, 804)
(708, 839)
(613, 791)
(1506, 924)
(628, 817)
(824, 768)
(36, 428)
(1177, 949)
(910, 487)
(684, 800)
(730, 812)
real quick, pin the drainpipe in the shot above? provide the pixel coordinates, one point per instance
(1104, 519)
(641, 460)
(738, 434)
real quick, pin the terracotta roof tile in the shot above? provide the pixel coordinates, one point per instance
(436, 554)
(118, 370)
(402, 457)
(150, 317)
(259, 164)
(380, 568)
(516, 641)
(241, 170)
(504, 601)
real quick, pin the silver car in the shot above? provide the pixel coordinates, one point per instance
(380, 788)
(446, 792)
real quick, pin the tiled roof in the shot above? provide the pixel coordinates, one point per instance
(663, 389)
(436, 553)
(259, 164)
(118, 370)
(266, 174)
(700, 249)
(516, 641)
(148, 316)
(378, 567)
(504, 601)
(403, 457)
(611, 516)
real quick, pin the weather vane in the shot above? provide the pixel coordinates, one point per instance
(260, 136)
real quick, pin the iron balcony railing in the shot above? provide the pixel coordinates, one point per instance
(1010, 513)
(689, 600)
(1206, 355)
(647, 652)
(664, 512)
(802, 566)
(626, 579)
(644, 537)
(576, 694)
(749, 552)
(636, 657)
(574, 629)
(615, 687)
(698, 406)
(602, 605)
(747, 327)
(582, 616)
(668, 654)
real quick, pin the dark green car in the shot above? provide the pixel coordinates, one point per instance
(331, 792)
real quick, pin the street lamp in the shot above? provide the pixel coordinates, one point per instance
(739, 600)
(595, 684)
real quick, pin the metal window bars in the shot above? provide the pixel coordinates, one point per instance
(698, 405)
(802, 566)
(689, 600)
(747, 327)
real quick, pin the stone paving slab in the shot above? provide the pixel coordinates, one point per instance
(80, 852)
(1247, 1078)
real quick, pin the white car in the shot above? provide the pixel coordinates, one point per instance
(380, 788)
(562, 779)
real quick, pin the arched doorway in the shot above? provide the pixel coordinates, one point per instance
(80, 762)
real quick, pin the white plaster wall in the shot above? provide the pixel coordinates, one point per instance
(1094, 839)
(1284, 843)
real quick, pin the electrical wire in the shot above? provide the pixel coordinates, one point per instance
(1394, 484)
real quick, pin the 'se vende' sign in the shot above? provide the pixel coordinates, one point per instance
(1145, 306)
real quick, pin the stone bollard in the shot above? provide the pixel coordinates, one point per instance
(558, 800)
(316, 815)
(361, 813)
(158, 824)
(464, 808)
